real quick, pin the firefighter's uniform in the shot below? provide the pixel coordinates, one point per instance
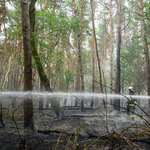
(131, 103)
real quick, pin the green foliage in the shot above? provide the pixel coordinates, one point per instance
(86, 60)
(59, 61)
(20, 58)
(132, 69)
(69, 76)
(15, 27)
(75, 24)
(49, 22)
(147, 12)
(147, 17)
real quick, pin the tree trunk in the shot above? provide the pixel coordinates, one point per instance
(115, 84)
(104, 56)
(99, 66)
(77, 81)
(78, 65)
(81, 71)
(118, 47)
(79, 47)
(111, 49)
(28, 104)
(7, 71)
(145, 45)
(3, 14)
(98, 60)
(43, 77)
(117, 80)
(80, 41)
(41, 84)
(93, 69)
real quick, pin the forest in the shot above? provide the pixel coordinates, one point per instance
(67, 68)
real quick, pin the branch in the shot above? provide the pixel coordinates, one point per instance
(47, 115)
(111, 89)
(68, 111)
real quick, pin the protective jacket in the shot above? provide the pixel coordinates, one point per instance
(131, 103)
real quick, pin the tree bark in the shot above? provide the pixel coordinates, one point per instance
(98, 60)
(28, 104)
(80, 57)
(78, 65)
(3, 14)
(99, 66)
(43, 77)
(93, 68)
(81, 71)
(111, 49)
(117, 80)
(118, 47)
(41, 84)
(7, 71)
(145, 45)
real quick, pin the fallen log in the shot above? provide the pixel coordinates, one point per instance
(82, 116)
(91, 135)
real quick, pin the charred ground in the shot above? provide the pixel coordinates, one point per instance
(90, 129)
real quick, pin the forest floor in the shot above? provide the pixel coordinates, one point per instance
(88, 130)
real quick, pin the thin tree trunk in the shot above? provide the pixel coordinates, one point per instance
(104, 56)
(81, 71)
(41, 84)
(93, 68)
(16, 84)
(28, 104)
(80, 58)
(117, 80)
(98, 60)
(115, 84)
(78, 65)
(99, 67)
(7, 71)
(111, 49)
(3, 14)
(145, 45)
(41, 98)
(14, 76)
(118, 47)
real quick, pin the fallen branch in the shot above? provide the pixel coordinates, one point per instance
(47, 115)
(94, 116)
(91, 135)
(68, 111)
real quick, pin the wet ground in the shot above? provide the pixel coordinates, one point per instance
(95, 128)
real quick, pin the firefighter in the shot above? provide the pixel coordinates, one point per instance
(131, 103)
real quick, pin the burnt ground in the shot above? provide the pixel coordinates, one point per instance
(89, 130)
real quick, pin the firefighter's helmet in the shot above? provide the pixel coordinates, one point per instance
(130, 88)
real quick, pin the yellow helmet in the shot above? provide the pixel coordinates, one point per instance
(130, 88)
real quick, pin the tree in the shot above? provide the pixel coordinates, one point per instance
(145, 45)
(93, 66)
(43, 77)
(28, 104)
(111, 49)
(118, 46)
(118, 69)
(2, 12)
(80, 35)
(41, 84)
(98, 60)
